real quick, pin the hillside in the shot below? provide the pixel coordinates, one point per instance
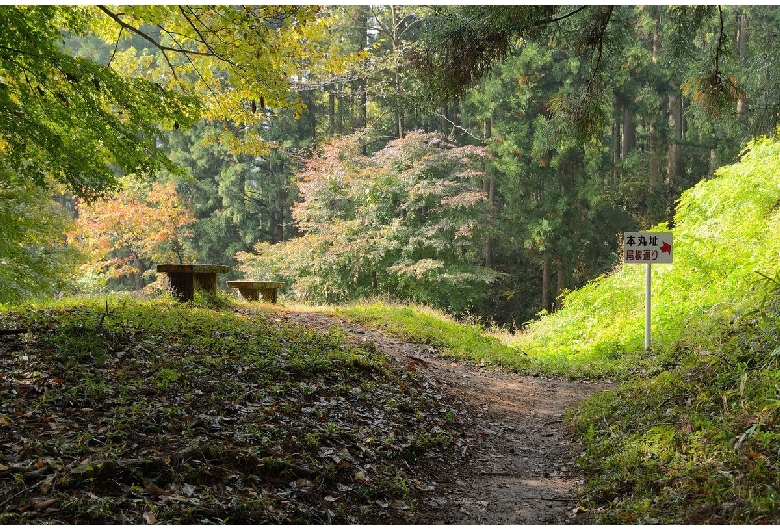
(691, 436)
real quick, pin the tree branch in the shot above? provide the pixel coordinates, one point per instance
(200, 35)
(118, 19)
(601, 31)
(553, 20)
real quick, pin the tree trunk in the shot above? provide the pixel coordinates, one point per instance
(628, 139)
(361, 85)
(652, 148)
(489, 187)
(656, 44)
(741, 45)
(399, 115)
(654, 169)
(340, 112)
(714, 163)
(331, 111)
(281, 199)
(138, 280)
(616, 152)
(546, 273)
(674, 154)
(563, 276)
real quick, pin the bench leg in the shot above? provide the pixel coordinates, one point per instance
(206, 281)
(249, 294)
(182, 285)
(269, 295)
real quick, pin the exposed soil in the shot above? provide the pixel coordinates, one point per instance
(514, 461)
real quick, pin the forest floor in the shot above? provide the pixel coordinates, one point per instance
(121, 412)
(516, 450)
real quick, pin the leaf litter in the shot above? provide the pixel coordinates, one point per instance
(180, 415)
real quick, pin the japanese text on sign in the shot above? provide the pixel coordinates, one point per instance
(647, 247)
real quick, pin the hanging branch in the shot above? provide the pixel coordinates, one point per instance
(165, 50)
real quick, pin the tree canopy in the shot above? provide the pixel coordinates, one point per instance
(461, 46)
(301, 137)
(78, 119)
(69, 118)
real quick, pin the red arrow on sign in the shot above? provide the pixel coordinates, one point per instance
(666, 247)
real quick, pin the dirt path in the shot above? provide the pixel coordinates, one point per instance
(516, 454)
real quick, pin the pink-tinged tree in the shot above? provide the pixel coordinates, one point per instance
(405, 221)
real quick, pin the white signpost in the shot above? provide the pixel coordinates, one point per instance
(648, 248)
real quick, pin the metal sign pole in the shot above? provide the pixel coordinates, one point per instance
(647, 307)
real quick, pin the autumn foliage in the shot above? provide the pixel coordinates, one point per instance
(123, 235)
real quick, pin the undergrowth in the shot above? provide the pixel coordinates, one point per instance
(699, 443)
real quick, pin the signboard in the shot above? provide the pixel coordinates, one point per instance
(647, 247)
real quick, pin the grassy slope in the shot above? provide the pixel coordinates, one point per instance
(725, 232)
(428, 326)
(691, 436)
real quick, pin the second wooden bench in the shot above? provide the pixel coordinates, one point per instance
(257, 290)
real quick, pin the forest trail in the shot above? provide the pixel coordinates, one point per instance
(516, 452)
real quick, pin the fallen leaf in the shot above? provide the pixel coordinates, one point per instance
(42, 505)
(150, 518)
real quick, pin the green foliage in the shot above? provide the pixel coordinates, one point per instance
(697, 444)
(461, 45)
(237, 199)
(34, 260)
(403, 221)
(233, 60)
(559, 209)
(69, 118)
(722, 236)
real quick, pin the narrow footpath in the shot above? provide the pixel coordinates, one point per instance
(516, 453)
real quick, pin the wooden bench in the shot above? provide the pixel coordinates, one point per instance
(186, 278)
(253, 290)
